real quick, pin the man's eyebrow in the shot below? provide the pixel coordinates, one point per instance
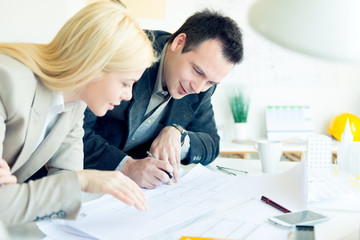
(198, 68)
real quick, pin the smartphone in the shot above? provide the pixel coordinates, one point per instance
(289, 220)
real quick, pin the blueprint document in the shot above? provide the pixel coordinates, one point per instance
(200, 192)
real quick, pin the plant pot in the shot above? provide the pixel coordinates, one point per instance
(241, 131)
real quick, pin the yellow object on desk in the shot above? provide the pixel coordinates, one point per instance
(200, 238)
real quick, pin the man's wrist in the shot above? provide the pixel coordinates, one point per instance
(122, 163)
(182, 131)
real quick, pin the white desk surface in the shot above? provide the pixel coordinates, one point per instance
(248, 146)
(252, 166)
(342, 224)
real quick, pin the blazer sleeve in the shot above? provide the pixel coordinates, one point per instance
(57, 196)
(99, 154)
(204, 139)
(2, 125)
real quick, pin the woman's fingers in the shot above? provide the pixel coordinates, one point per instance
(4, 165)
(7, 179)
(114, 183)
(128, 191)
(5, 174)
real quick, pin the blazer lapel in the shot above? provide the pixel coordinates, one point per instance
(141, 98)
(180, 112)
(47, 148)
(37, 120)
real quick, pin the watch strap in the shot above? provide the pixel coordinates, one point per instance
(182, 131)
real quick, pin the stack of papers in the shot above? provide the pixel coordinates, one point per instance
(325, 184)
(209, 204)
(202, 203)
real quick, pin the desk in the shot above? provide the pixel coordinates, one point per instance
(291, 151)
(342, 224)
(252, 166)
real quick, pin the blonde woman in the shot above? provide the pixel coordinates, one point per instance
(94, 60)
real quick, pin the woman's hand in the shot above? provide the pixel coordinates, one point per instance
(5, 174)
(114, 183)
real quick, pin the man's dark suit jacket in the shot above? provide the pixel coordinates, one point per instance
(106, 136)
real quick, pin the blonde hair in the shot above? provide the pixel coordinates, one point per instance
(100, 37)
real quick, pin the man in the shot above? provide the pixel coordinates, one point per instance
(170, 116)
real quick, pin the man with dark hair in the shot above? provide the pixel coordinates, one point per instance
(170, 119)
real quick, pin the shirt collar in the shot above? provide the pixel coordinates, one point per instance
(58, 105)
(158, 88)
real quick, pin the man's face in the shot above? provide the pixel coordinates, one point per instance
(194, 71)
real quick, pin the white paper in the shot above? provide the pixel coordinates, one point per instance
(237, 222)
(325, 184)
(199, 192)
(289, 188)
(58, 230)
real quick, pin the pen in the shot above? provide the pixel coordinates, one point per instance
(231, 169)
(225, 171)
(152, 155)
(274, 204)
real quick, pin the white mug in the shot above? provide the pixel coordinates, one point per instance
(270, 153)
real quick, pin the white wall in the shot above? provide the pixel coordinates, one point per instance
(326, 101)
(276, 76)
(35, 20)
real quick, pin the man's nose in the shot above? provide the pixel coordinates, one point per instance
(199, 86)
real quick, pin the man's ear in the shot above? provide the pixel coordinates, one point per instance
(178, 42)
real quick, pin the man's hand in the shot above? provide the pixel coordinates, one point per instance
(147, 172)
(167, 147)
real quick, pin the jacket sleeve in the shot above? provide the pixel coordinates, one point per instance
(57, 196)
(98, 153)
(204, 140)
(2, 126)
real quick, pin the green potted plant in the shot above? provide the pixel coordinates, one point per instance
(239, 101)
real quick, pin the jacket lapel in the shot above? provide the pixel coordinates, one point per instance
(141, 98)
(46, 149)
(37, 120)
(180, 112)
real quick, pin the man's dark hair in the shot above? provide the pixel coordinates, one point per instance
(210, 25)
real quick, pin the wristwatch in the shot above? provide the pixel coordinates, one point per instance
(183, 132)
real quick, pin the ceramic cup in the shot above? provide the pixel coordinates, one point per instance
(270, 153)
